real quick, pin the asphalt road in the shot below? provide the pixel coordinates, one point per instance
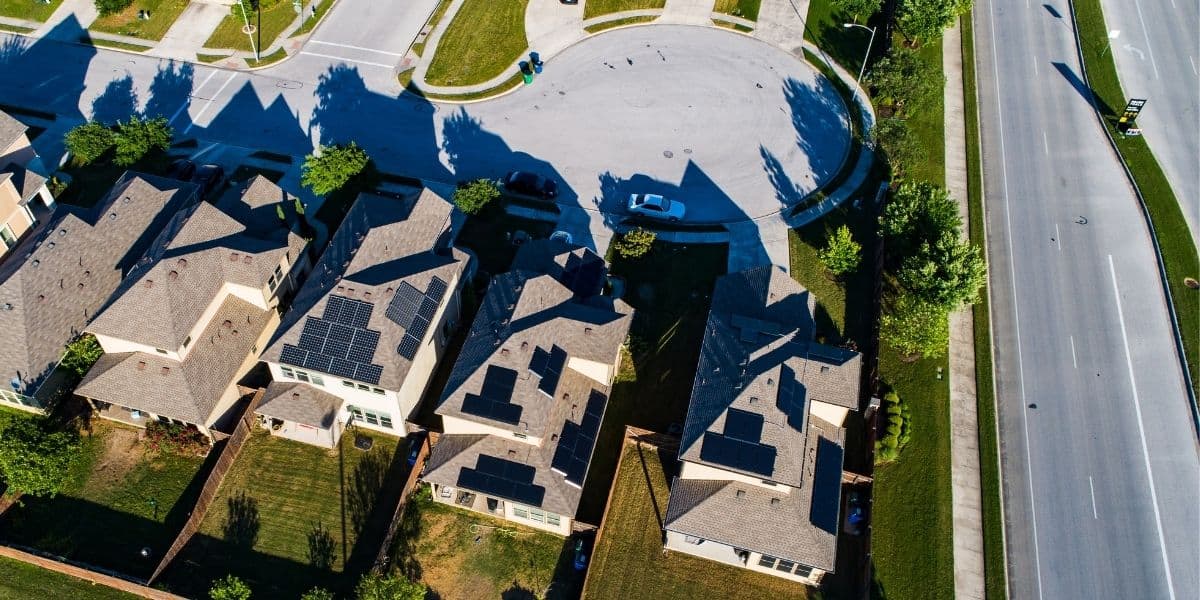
(1158, 58)
(1099, 457)
(734, 127)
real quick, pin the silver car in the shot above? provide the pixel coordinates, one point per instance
(656, 207)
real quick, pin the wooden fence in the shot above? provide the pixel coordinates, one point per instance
(382, 560)
(233, 446)
(87, 574)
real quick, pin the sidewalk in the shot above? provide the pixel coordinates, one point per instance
(964, 430)
(189, 32)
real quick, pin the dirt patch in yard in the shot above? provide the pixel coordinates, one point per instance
(121, 452)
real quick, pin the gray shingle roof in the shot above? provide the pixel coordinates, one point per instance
(187, 390)
(527, 313)
(10, 130)
(382, 244)
(27, 182)
(54, 282)
(300, 403)
(799, 526)
(758, 357)
(201, 251)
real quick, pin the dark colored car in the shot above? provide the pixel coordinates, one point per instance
(529, 184)
(207, 177)
(414, 447)
(856, 514)
(181, 169)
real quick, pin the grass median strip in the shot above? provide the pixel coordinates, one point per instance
(1175, 241)
(274, 57)
(746, 9)
(598, 27)
(485, 38)
(118, 45)
(595, 8)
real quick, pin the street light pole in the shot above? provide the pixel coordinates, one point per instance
(867, 57)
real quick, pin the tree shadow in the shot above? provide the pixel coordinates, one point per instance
(241, 523)
(171, 93)
(117, 102)
(517, 592)
(322, 549)
(365, 482)
(818, 115)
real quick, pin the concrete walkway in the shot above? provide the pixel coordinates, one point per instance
(781, 22)
(189, 32)
(964, 430)
(687, 12)
(84, 11)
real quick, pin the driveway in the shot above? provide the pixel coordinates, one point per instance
(373, 34)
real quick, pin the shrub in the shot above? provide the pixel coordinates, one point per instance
(332, 166)
(229, 588)
(926, 19)
(899, 429)
(915, 327)
(108, 7)
(89, 141)
(897, 144)
(841, 254)
(905, 80)
(137, 137)
(35, 460)
(947, 272)
(635, 243)
(473, 196)
(177, 439)
(81, 355)
(317, 594)
(377, 587)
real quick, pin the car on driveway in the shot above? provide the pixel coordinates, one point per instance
(656, 207)
(207, 177)
(524, 183)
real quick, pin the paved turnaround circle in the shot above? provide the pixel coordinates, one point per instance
(734, 127)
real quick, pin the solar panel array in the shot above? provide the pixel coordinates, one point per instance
(338, 342)
(414, 311)
(576, 442)
(494, 399)
(791, 399)
(504, 478)
(549, 367)
(739, 446)
(584, 277)
(826, 486)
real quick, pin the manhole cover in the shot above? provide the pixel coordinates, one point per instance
(687, 150)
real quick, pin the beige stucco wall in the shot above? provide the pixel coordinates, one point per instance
(829, 412)
(691, 470)
(480, 505)
(456, 425)
(597, 371)
(12, 213)
(723, 553)
(20, 152)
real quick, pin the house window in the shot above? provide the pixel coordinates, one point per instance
(187, 341)
(520, 512)
(385, 420)
(356, 413)
(316, 379)
(372, 418)
(804, 571)
(302, 376)
(537, 515)
(520, 436)
(377, 391)
(552, 519)
(6, 234)
(163, 419)
(767, 561)
(364, 387)
(160, 351)
(785, 565)
(287, 372)
(349, 384)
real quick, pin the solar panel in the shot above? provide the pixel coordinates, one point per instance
(504, 478)
(319, 362)
(428, 309)
(418, 328)
(404, 305)
(743, 425)
(408, 347)
(342, 368)
(496, 410)
(553, 370)
(437, 289)
(333, 308)
(577, 441)
(292, 355)
(827, 486)
(368, 373)
(362, 315)
(737, 454)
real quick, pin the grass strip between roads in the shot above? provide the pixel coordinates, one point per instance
(595, 8)
(1175, 243)
(484, 38)
(117, 45)
(598, 27)
(995, 581)
(418, 48)
(15, 28)
(746, 9)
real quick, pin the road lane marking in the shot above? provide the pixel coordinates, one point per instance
(355, 48)
(1045, 143)
(1057, 238)
(1092, 489)
(1193, 61)
(188, 101)
(210, 101)
(360, 62)
(1013, 282)
(1138, 4)
(1137, 405)
(1073, 361)
(1035, 68)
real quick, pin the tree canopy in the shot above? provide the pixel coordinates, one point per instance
(89, 141)
(841, 253)
(473, 196)
(81, 355)
(897, 144)
(915, 327)
(35, 460)
(394, 587)
(332, 166)
(917, 212)
(926, 19)
(906, 80)
(946, 272)
(137, 137)
(857, 8)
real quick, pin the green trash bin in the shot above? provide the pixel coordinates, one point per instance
(528, 77)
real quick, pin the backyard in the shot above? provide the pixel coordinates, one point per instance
(290, 516)
(628, 561)
(21, 581)
(484, 38)
(462, 555)
(162, 15)
(120, 497)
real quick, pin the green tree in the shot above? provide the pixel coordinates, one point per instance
(82, 354)
(137, 137)
(915, 327)
(926, 19)
(89, 141)
(317, 593)
(332, 166)
(917, 212)
(229, 588)
(378, 587)
(635, 243)
(858, 8)
(897, 144)
(841, 254)
(907, 81)
(472, 196)
(35, 460)
(947, 272)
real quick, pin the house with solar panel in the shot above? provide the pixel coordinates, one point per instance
(524, 402)
(367, 329)
(190, 319)
(760, 482)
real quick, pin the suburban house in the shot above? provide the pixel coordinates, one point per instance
(367, 329)
(189, 321)
(525, 400)
(761, 451)
(56, 281)
(20, 183)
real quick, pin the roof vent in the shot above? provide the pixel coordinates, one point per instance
(80, 286)
(753, 400)
(367, 295)
(125, 200)
(182, 263)
(246, 259)
(166, 371)
(739, 494)
(41, 298)
(87, 273)
(173, 275)
(389, 291)
(141, 365)
(36, 262)
(524, 345)
(149, 283)
(587, 329)
(554, 437)
(774, 501)
(62, 232)
(566, 395)
(234, 256)
(341, 288)
(112, 216)
(512, 453)
(770, 381)
(227, 324)
(504, 351)
(295, 395)
(824, 368)
(50, 244)
(8, 306)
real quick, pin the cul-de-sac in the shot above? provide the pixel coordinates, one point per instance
(599, 299)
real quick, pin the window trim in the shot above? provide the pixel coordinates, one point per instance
(287, 372)
(767, 561)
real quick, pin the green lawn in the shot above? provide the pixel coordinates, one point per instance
(595, 8)
(746, 9)
(465, 555)
(229, 34)
(162, 15)
(290, 516)
(515, 81)
(1174, 238)
(419, 47)
(120, 497)
(21, 581)
(628, 560)
(824, 28)
(485, 38)
(598, 27)
(311, 22)
(274, 57)
(28, 9)
(118, 45)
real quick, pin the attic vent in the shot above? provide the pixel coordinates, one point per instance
(512, 453)
(8, 306)
(50, 244)
(774, 501)
(87, 273)
(173, 275)
(824, 368)
(367, 295)
(389, 291)
(770, 381)
(149, 283)
(753, 400)
(80, 286)
(234, 256)
(587, 329)
(771, 295)
(125, 200)
(739, 494)
(504, 352)
(41, 298)
(524, 345)
(566, 395)
(112, 216)
(296, 395)
(141, 365)
(554, 437)
(36, 262)
(246, 259)
(227, 324)
(166, 371)
(62, 232)
(182, 263)
(341, 288)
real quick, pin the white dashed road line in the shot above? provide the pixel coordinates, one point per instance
(210, 101)
(350, 60)
(355, 48)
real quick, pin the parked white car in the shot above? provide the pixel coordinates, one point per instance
(656, 207)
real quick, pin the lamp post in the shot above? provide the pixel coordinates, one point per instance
(867, 57)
